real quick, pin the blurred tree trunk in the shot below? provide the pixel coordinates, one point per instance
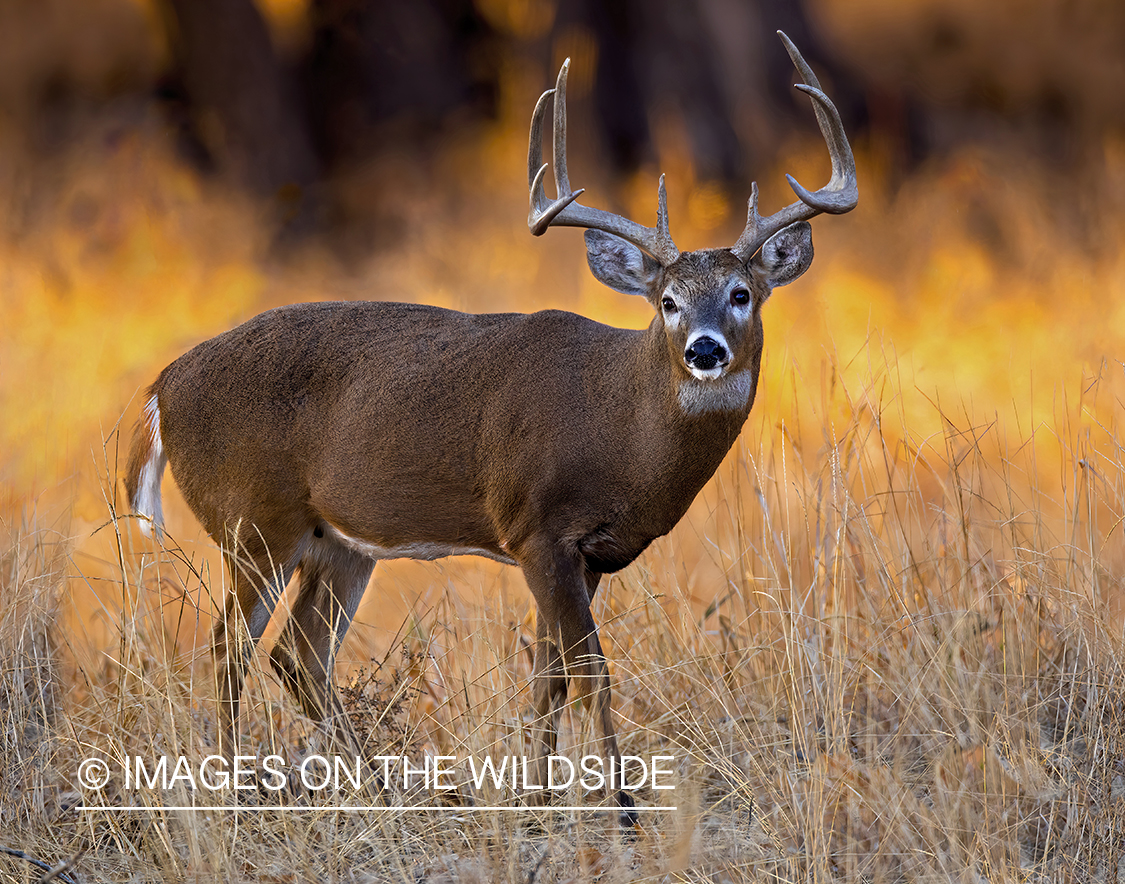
(846, 92)
(656, 56)
(243, 108)
(374, 61)
(717, 64)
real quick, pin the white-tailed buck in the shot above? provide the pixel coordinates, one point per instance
(319, 438)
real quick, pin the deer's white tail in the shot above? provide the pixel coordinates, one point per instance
(146, 467)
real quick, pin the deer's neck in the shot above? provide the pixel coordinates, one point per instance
(730, 394)
(666, 442)
(687, 403)
(695, 421)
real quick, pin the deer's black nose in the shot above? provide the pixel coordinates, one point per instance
(705, 353)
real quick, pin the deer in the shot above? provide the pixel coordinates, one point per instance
(317, 439)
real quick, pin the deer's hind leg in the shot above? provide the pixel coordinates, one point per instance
(257, 582)
(332, 582)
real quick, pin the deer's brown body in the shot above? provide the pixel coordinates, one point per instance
(320, 438)
(338, 416)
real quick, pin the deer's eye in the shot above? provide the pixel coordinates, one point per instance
(740, 296)
(669, 305)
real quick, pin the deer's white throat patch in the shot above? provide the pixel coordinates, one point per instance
(730, 393)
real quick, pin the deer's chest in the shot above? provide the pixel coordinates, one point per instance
(629, 523)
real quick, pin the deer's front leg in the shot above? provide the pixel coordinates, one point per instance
(568, 651)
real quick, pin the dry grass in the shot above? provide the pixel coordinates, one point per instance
(885, 644)
(910, 670)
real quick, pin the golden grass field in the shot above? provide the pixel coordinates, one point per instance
(886, 644)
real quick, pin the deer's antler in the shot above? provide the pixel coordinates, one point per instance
(839, 195)
(564, 211)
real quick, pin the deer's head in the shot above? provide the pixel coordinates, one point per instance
(708, 301)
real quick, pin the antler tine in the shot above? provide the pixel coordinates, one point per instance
(564, 211)
(535, 165)
(841, 192)
(558, 143)
(662, 212)
(542, 211)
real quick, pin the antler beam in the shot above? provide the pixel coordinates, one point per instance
(564, 211)
(839, 195)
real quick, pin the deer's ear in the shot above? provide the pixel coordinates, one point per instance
(786, 255)
(620, 264)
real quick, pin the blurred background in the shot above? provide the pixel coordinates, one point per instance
(891, 624)
(168, 168)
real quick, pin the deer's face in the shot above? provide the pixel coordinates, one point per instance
(708, 301)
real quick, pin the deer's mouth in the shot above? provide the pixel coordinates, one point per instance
(707, 374)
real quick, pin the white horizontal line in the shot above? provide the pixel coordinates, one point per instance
(357, 809)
